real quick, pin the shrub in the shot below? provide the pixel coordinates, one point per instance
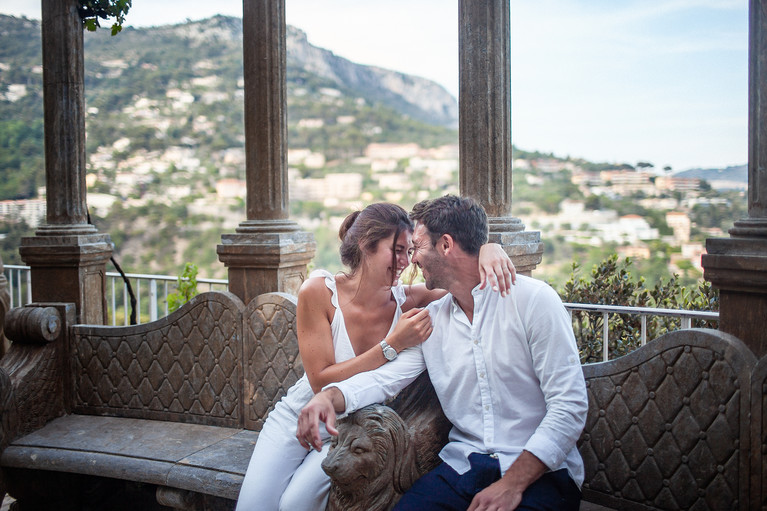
(611, 283)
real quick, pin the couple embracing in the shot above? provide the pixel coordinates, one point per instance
(502, 359)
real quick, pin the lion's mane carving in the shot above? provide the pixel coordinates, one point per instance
(371, 462)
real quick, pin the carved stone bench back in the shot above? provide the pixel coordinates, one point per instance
(668, 425)
(213, 361)
(271, 359)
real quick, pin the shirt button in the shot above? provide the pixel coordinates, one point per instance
(481, 375)
(487, 407)
(476, 341)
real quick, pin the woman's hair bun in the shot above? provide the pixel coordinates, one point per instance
(347, 224)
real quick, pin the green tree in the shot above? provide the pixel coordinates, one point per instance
(186, 288)
(611, 283)
(93, 10)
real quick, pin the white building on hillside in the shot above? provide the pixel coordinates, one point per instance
(32, 211)
(680, 224)
(629, 229)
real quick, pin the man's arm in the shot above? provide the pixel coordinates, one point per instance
(557, 366)
(352, 394)
(506, 493)
(323, 407)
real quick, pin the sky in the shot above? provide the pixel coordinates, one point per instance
(659, 81)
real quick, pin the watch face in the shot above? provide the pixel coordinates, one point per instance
(389, 352)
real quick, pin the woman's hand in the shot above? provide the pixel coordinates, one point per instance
(496, 269)
(413, 327)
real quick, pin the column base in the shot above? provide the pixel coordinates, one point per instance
(69, 269)
(738, 268)
(263, 261)
(749, 228)
(524, 247)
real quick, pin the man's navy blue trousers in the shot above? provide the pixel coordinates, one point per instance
(443, 488)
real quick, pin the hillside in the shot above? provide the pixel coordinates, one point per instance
(166, 157)
(181, 86)
(734, 174)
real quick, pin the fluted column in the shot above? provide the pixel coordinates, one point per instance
(738, 265)
(485, 125)
(268, 252)
(67, 255)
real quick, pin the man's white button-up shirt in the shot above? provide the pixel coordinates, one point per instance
(508, 381)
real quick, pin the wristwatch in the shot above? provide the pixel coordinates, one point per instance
(388, 352)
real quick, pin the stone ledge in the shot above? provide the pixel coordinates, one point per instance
(205, 459)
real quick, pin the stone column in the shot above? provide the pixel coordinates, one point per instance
(485, 125)
(738, 265)
(5, 305)
(268, 252)
(67, 255)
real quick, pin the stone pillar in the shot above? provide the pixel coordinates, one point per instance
(5, 305)
(67, 255)
(268, 252)
(485, 125)
(738, 265)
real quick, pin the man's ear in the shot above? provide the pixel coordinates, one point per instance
(445, 244)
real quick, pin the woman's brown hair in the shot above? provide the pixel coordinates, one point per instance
(361, 230)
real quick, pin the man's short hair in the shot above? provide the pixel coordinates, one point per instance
(462, 218)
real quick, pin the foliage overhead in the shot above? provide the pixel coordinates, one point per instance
(93, 10)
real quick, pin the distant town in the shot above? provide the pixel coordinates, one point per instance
(405, 173)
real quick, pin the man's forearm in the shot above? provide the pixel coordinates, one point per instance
(525, 470)
(336, 398)
(506, 493)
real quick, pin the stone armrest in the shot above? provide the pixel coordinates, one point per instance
(406, 435)
(33, 372)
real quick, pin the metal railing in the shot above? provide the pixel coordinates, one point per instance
(151, 292)
(686, 318)
(154, 303)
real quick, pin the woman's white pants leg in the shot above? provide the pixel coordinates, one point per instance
(282, 475)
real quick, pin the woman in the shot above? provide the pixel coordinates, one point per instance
(346, 324)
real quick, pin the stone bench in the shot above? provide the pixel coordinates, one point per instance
(174, 404)
(166, 413)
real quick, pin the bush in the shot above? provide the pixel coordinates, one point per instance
(611, 283)
(186, 288)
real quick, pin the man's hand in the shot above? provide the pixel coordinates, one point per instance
(499, 496)
(322, 407)
(506, 493)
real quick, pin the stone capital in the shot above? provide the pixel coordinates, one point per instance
(70, 269)
(754, 228)
(525, 248)
(738, 268)
(66, 250)
(736, 264)
(266, 256)
(266, 249)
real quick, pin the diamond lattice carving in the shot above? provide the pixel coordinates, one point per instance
(8, 405)
(665, 432)
(272, 362)
(183, 367)
(759, 429)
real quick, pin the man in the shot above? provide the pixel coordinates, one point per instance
(506, 371)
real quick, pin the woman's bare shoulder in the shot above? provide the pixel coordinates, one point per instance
(313, 288)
